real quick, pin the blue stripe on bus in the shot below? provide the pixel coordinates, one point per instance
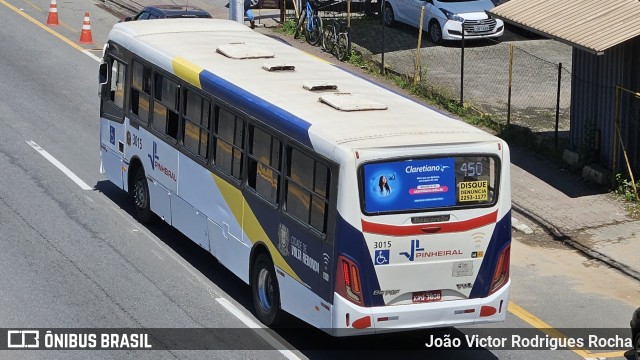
(352, 245)
(272, 115)
(500, 239)
(270, 220)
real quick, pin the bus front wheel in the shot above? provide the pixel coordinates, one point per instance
(265, 291)
(141, 197)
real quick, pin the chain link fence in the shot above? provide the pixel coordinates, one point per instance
(512, 81)
(504, 80)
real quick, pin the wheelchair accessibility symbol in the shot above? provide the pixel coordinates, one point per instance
(381, 257)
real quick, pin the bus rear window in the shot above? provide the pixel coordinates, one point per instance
(428, 184)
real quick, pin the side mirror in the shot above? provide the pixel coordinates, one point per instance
(103, 73)
(128, 18)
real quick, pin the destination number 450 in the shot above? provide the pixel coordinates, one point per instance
(381, 244)
(471, 168)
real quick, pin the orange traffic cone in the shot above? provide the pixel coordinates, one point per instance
(85, 35)
(52, 19)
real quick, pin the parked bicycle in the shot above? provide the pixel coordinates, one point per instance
(335, 39)
(312, 21)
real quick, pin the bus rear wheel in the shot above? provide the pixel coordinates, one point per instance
(141, 197)
(265, 291)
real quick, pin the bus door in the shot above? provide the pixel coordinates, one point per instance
(113, 75)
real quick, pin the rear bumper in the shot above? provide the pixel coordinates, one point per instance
(350, 319)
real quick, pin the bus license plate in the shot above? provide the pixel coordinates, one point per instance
(427, 296)
(480, 28)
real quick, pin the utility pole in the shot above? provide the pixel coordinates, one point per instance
(236, 10)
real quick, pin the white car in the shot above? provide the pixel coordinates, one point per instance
(443, 19)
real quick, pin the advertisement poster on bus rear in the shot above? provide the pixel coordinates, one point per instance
(409, 185)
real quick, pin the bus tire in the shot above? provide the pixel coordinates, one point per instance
(141, 197)
(265, 291)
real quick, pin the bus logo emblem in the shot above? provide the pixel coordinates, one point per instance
(415, 246)
(154, 157)
(283, 237)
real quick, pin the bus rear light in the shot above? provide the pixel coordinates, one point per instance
(362, 323)
(487, 311)
(501, 273)
(345, 274)
(348, 285)
(356, 279)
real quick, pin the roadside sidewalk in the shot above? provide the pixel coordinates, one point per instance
(547, 199)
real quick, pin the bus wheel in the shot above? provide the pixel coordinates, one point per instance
(265, 291)
(141, 197)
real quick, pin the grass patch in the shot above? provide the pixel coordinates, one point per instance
(442, 101)
(287, 28)
(356, 59)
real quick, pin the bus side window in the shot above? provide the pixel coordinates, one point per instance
(229, 138)
(165, 106)
(140, 91)
(195, 126)
(307, 190)
(264, 164)
(116, 88)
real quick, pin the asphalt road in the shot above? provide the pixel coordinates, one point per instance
(78, 258)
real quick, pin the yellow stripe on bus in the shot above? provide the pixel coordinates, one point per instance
(251, 226)
(187, 70)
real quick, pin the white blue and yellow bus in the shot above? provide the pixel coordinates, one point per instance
(340, 202)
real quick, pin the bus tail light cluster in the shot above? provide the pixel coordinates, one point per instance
(501, 274)
(348, 281)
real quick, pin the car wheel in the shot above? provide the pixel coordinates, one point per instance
(435, 32)
(265, 291)
(389, 19)
(141, 197)
(636, 347)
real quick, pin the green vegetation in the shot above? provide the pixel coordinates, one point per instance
(441, 100)
(431, 96)
(287, 28)
(356, 59)
(623, 187)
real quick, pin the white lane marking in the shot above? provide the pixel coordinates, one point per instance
(253, 325)
(89, 54)
(156, 254)
(83, 185)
